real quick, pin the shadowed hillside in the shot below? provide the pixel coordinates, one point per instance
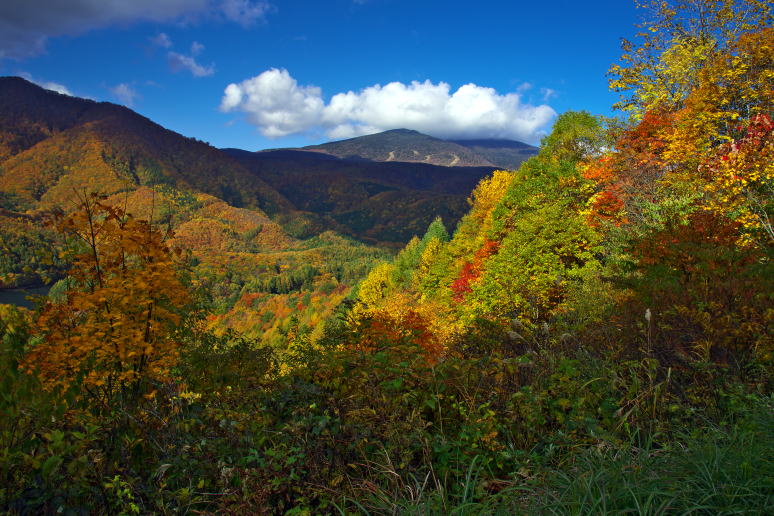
(375, 201)
(505, 154)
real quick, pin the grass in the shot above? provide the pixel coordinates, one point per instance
(710, 471)
(718, 471)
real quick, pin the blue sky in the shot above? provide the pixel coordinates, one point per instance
(255, 74)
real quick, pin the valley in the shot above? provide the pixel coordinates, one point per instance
(242, 216)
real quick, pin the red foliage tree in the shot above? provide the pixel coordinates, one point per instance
(471, 271)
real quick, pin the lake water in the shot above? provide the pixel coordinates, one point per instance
(18, 296)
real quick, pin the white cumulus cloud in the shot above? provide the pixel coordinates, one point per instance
(278, 106)
(275, 103)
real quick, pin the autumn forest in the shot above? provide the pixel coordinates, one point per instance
(587, 331)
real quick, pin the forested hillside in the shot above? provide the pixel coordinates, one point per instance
(595, 335)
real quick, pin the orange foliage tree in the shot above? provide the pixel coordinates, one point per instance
(381, 330)
(113, 334)
(709, 298)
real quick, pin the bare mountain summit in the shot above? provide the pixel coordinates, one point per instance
(405, 145)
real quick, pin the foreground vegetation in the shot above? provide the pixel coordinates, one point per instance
(595, 336)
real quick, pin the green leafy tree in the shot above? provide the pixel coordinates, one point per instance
(576, 135)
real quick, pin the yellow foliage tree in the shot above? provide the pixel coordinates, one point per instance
(113, 335)
(375, 286)
(726, 128)
(488, 193)
(739, 182)
(734, 86)
(474, 226)
(662, 67)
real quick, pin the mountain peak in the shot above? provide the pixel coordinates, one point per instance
(408, 145)
(402, 145)
(402, 130)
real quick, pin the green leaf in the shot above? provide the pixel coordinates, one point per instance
(50, 466)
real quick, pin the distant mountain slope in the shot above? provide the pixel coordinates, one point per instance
(403, 145)
(51, 144)
(505, 154)
(385, 187)
(380, 202)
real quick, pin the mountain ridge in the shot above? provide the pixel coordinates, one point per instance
(50, 143)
